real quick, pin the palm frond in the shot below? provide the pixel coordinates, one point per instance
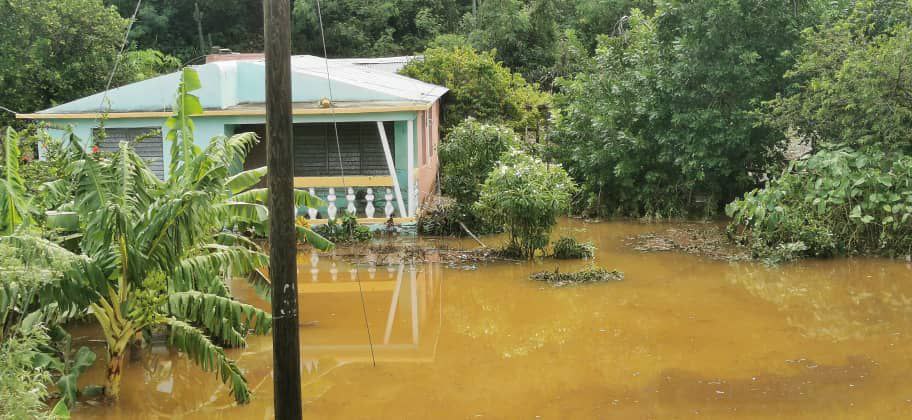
(209, 357)
(262, 286)
(227, 319)
(204, 267)
(91, 176)
(240, 212)
(15, 208)
(245, 179)
(307, 235)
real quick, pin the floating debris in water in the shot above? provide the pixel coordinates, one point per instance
(590, 274)
(705, 239)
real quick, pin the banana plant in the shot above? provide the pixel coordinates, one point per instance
(157, 254)
(15, 206)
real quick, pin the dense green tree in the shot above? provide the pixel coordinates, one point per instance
(188, 29)
(851, 83)
(591, 18)
(480, 87)
(376, 28)
(851, 98)
(56, 50)
(664, 123)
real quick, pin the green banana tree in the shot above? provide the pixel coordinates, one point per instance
(156, 254)
(15, 206)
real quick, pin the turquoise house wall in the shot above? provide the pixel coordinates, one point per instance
(209, 127)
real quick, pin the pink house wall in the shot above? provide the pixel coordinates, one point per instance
(428, 127)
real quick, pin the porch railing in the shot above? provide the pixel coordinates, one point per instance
(370, 199)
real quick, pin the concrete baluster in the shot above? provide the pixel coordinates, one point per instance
(331, 207)
(312, 212)
(389, 203)
(369, 208)
(350, 198)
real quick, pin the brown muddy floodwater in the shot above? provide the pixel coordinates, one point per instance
(680, 337)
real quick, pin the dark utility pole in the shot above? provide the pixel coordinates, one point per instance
(282, 240)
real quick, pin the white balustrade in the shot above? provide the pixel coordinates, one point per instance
(311, 211)
(334, 204)
(389, 203)
(369, 208)
(331, 207)
(350, 198)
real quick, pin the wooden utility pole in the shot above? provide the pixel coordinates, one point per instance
(282, 239)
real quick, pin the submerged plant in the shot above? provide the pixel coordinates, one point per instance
(567, 247)
(344, 230)
(591, 274)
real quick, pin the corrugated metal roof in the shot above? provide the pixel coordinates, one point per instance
(360, 72)
(232, 82)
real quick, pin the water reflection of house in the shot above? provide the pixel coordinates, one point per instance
(401, 302)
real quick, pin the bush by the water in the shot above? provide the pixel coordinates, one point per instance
(439, 216)
(525, 196)
(467, 156)
(833, 203)
(567, 248)
(591, 274)
(344, 229)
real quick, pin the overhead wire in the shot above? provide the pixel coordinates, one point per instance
(123, 46)
(332, 114)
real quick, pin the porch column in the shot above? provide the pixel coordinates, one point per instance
(412, 199)
(392, 168)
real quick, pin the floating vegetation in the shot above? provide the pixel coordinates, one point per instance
(591, 274)
(568, 248)
(704, 239)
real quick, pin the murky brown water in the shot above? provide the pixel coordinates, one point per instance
(680, 337)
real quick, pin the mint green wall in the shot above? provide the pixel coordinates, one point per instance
(208, 127)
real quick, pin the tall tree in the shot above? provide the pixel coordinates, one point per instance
(665, 122)
(56, 50)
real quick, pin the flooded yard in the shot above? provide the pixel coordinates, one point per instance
(681, 336)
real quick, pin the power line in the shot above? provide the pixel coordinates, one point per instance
(123, 46)
(332, 113)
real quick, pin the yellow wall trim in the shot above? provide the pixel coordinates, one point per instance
(338, 181)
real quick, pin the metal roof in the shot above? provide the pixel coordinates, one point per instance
(230, 83)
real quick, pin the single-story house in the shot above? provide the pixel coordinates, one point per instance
(387, 126)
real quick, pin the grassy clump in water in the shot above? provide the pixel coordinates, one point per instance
(591, 274)
(568, 248)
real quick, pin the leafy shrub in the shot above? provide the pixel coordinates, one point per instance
(591, 274)
(525, 195)
(23, 387)
(468, 154)
(835, 202)
(344, 229)
(439, 216)
(480, 87)
(567, 248)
